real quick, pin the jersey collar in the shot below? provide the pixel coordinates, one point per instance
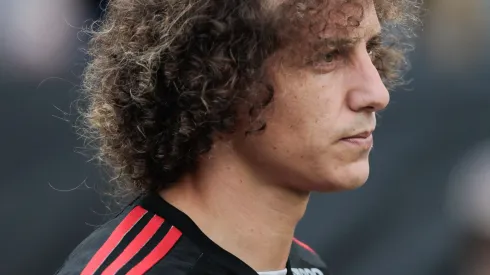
(153, 202)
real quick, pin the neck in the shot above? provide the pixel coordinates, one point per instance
(250, 218)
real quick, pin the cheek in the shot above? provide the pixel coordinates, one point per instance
(303, 100)
(300, 125)
(305, 115)
(311, 110)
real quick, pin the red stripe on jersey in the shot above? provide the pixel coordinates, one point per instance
(135, 246)
(305, 246)
(121, 230)
(162, 248)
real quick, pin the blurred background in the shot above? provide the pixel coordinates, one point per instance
(425, 209)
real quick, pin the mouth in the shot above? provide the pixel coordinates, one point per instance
(363, 140)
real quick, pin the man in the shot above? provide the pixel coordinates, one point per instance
(223, 116)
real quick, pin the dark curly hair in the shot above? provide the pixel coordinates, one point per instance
(166, 75)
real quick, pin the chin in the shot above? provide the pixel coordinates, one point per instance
(348, 177)
(355, 182)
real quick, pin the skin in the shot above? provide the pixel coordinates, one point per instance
(254, 190)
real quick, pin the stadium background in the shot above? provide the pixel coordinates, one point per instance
(423, 211)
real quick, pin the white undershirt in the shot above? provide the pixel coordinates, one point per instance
(278, 272)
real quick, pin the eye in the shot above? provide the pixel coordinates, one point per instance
(330, 56)
(324, 62)
(373, 46)
(372, 54)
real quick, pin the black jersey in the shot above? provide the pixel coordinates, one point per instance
(152, 237)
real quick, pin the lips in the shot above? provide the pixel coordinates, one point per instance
(365, 134)
(362, 140)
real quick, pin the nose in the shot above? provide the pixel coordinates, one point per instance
(367, 91)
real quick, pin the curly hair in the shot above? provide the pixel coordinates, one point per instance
(166, 75)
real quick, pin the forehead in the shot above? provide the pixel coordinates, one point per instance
(319, 19)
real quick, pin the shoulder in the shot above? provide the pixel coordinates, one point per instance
(136, 242)
(304, 260)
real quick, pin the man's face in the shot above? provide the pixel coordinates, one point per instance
(326, 93)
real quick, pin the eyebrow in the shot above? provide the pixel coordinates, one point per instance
(345, 42)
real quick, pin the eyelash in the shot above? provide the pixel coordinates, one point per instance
(372, 48)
